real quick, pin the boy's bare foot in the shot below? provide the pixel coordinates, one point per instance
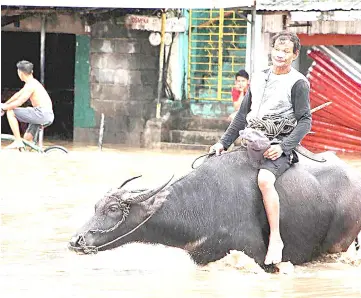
(15, 145)
(274, 252)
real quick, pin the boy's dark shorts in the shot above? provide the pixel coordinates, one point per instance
(278, 166)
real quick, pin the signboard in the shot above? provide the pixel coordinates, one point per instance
(146, 23)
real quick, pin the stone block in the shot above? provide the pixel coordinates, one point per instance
(147, 49)
(137, 34)
(143, 92)
(121, 137)
(109, 137)
(182, 147)
(135, 77)
(127, 46)
(101, 45)
(116, 122)
(149, 77)
(150, 109)
(96, 61)
(109, 61)
(148, 62)
(142, 62)
(136, 124)
(195, 137)
(109, 122)
(94, 74)
(103, 76)
(86, 135)
(152, 133)
(122, 77)
(101, 106)
(133, 108)
(108, 30)
(95, 90)
(116, 61)
(113, 93)
(121, 122)
(134, 140)
(135, 132)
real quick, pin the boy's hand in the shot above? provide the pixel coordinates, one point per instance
(217, 148)
(2, 107)
(273, 152)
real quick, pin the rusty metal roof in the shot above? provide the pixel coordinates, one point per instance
(308, 5)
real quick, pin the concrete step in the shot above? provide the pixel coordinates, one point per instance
(184, 147)
(199, 123)
(203, 137)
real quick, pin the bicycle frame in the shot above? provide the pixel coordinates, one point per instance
(36, 147)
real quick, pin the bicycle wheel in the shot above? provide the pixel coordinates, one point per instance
(55, 149)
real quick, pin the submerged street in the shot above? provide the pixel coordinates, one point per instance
(46, 198)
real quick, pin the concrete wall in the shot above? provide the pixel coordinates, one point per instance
(124, 74)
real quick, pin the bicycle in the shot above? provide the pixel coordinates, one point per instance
(37, 145)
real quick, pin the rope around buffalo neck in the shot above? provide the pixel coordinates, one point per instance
(88, 249)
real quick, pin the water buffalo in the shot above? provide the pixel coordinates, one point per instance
(218, 207)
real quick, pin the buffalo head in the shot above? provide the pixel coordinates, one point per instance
(118, 214)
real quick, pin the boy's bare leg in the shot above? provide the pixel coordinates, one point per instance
(28, 136)
(271, 201)
(14, 125)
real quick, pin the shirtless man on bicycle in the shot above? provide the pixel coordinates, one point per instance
(41, 112)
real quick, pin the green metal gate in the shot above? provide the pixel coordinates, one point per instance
(217, 50)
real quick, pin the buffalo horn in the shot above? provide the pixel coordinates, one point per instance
(147, 194)
(126, 181)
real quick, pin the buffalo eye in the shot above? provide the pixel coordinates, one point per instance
(114, 208)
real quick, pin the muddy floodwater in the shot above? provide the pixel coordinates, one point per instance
(46, 198)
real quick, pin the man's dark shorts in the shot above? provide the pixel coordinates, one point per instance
(35, 117)
(278, 166)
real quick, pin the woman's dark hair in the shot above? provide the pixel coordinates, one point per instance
(25, 66)
(242, 73)
(286, 35)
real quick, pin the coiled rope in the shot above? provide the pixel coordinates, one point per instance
(273, 126)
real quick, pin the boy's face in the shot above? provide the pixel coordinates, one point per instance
(282, 53)
(241, 83)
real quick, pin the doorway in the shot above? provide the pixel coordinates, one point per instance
(59, 75)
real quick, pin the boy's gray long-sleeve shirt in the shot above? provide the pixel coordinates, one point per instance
(301, 107)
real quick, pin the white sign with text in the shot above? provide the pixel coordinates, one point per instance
(146, 23)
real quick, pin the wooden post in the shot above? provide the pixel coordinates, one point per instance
(42, 49)
(101, 133)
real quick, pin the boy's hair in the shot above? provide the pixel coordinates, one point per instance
(25, 66)
(286, 35)
(242, 73)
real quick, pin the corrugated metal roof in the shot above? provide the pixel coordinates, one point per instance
(308, 5)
